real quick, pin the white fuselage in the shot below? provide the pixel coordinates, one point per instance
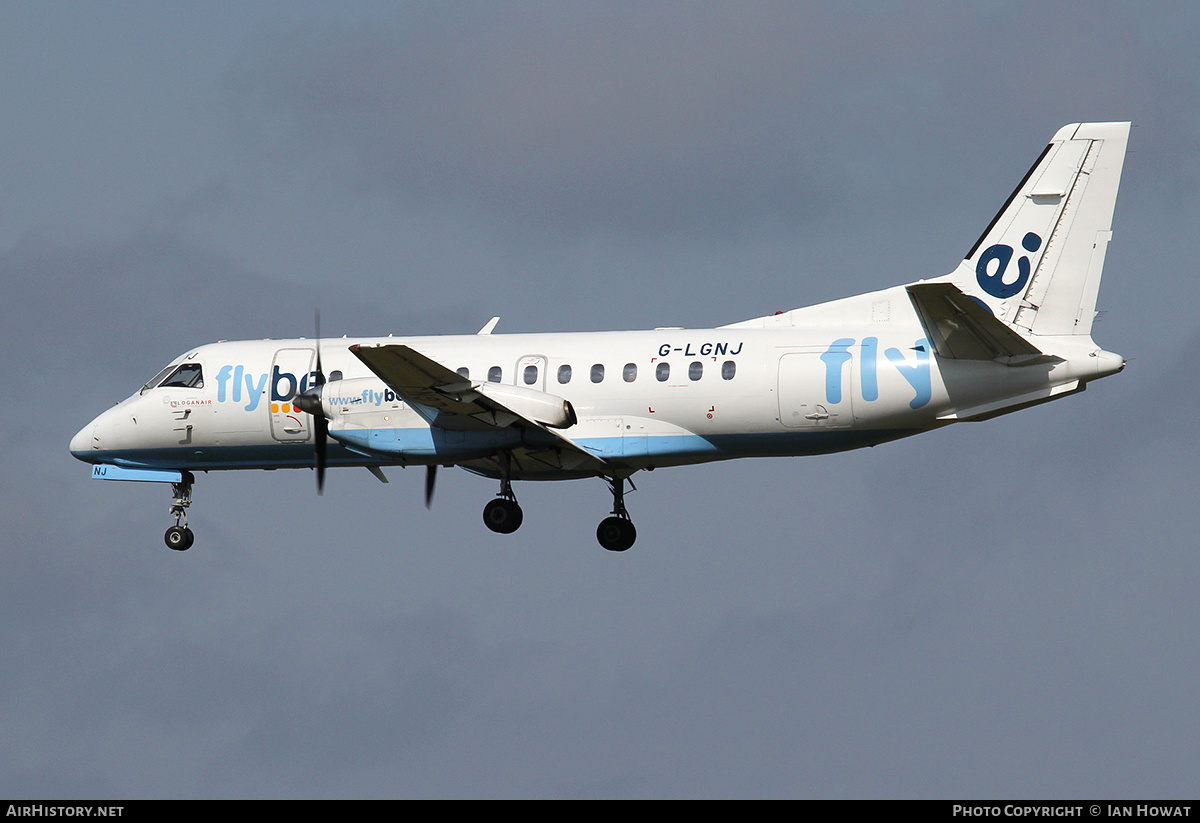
(828, 378)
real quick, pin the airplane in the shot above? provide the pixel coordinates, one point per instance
(1009, 328)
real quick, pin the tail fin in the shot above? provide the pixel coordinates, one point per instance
(1037, 265)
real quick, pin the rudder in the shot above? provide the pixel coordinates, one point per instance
(1038, 264)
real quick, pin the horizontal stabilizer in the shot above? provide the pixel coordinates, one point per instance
(986, 411)
(960, 327)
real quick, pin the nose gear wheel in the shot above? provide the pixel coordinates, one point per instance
(179, 537)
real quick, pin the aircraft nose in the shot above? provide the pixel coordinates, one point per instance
(83, 441)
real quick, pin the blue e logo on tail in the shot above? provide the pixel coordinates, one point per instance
(993, 282)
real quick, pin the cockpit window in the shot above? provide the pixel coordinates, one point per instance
(156, 379)
(186, 376)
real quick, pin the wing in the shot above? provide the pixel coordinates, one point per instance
(428, 386)
(448, 400)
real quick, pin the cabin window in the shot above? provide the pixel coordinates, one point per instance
(530, 375)
(629, 372)
(728, 370)
(597, 373)
(335, 375)
(495, 374)
(564, 373)
(187, 376)
(463, 372)
(662, 372)
(696, 370)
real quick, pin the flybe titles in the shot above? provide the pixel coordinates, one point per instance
(235, 384)
(915, 372)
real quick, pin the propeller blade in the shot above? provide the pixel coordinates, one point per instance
(320, 377)
(312, 405)
(430, 482)
(321, 428)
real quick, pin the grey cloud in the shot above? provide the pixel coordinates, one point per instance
(702, 120)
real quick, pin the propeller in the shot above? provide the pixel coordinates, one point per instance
(430, 482)
(310, 401)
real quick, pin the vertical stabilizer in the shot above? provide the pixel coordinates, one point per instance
(1037, 265)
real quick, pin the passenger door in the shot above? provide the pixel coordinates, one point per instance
(288, 371)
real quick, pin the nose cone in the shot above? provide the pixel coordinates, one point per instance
(83, 442)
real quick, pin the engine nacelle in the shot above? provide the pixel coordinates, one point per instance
(333, 398)
(340, 397)
(539, 406)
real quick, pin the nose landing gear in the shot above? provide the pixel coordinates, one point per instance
(179, 537)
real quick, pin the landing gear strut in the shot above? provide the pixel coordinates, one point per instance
(503, 514)
(617, 533)
(179, 537)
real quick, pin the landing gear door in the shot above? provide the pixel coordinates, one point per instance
(814, 390)
(289, 373)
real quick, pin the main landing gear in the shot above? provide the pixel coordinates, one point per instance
(179, 537)
(617, 533)
(503, 514)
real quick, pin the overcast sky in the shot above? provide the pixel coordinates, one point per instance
(992, 610)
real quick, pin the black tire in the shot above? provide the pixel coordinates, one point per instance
(616, 534)
(179, 538)
(503, 516)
